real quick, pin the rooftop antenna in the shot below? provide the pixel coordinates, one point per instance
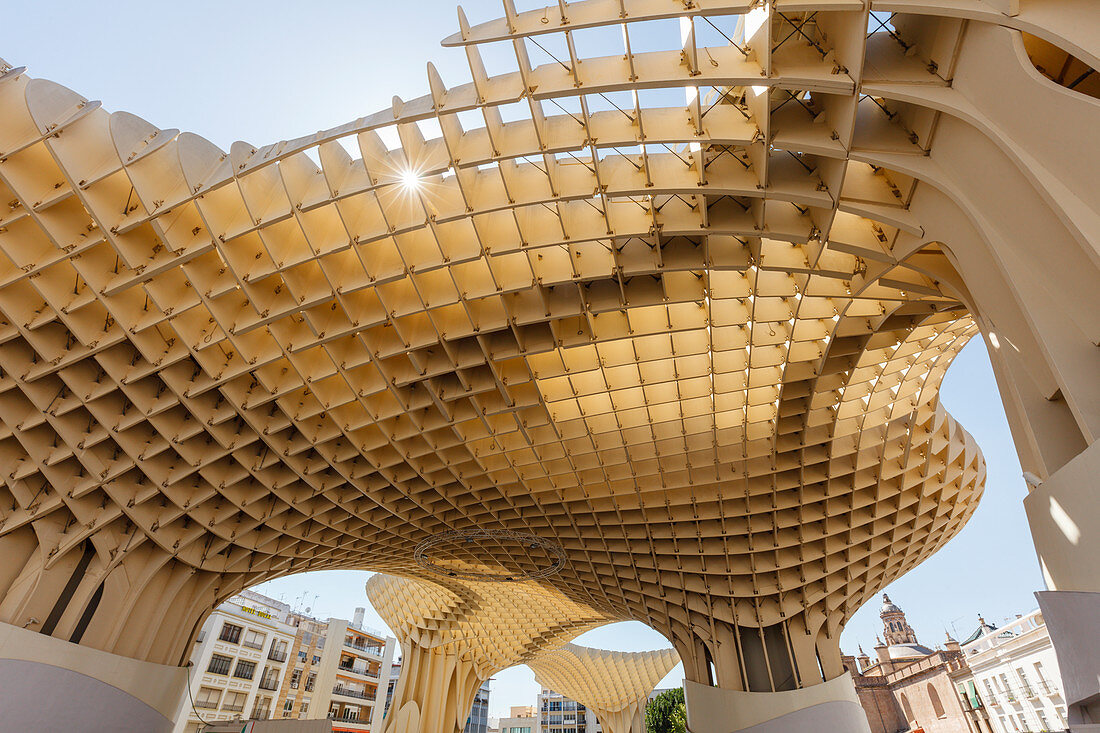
(954, 629)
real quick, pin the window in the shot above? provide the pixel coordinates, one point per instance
(244, 670)
(270, 680)
(288, 707)
(254, 639)
(261, 709)
(278, 650)
(316, 659)
(234, 702)
(208, 698)
(1043, 724)
(937, 706)
(219, 664)
(302, 656)
(310, 680)
(295, 678)
(231, 633)
(905, 708)
(305, 707)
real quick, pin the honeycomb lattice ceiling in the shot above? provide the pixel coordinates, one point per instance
(644, 305)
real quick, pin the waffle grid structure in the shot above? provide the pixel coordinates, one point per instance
(697, 344)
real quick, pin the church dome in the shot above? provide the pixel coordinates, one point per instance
(888, 606)
(907, 651)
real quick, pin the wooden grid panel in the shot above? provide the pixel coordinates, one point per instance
(606, 682)
(492, 626)
(674, 340)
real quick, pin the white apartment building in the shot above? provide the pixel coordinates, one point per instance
(237, 662)
(1016, 674)
(339, 670)
(556, 713)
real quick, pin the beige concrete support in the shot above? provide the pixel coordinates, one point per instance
(1071, 618)
(831, 706)
(51, 685)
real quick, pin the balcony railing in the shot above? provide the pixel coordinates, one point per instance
(269, 684)
(277, 656)
(233, 708)
(361, 694)
(357, 670)
(375, 650)
(1047, 687)
(253, 645)
(348, 719)
(207, 704)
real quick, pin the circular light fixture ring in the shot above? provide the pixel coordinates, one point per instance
(422, 554)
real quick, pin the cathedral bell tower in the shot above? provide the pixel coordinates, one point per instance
(894, 627)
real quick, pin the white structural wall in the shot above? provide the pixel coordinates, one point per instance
(1016, 672)
(264, 632)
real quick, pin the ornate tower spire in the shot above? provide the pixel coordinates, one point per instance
(894, 626)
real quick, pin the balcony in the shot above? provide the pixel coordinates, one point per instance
(269, 684)
(348, 692)
(233, 708)
(374, 650)
(357, 669)
(253, 645)
(348, 720)
(1046, 687)
(277, 656)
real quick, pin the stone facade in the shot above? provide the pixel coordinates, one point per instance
(927, 695)
(911, 687)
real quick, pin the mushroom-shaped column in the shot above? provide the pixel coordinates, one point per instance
(455, 634)
(613, 685)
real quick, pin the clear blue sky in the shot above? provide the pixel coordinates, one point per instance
(268, 71)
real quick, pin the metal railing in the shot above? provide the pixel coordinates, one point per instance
(361, 694)
(269, 684)
(253, 645)
(357, 670)
(1047, 687)
(346, 719)
(233, 708)
(277, 656)
(375, 650)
